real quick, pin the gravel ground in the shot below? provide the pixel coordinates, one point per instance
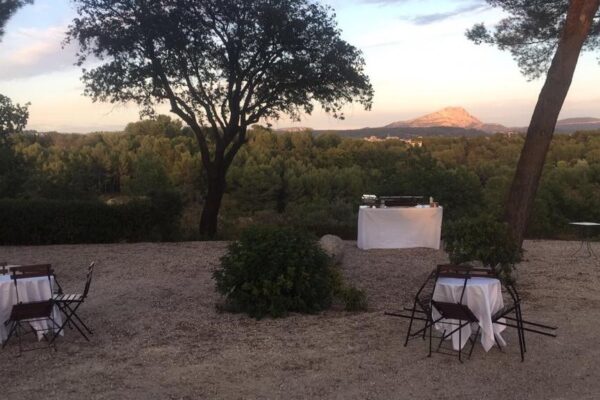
(159, 336)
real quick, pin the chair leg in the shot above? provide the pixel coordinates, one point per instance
(460, 342)
(67, 321)
(441, 340)
(475, 340)
(79, 319)
(520, 334)
(498, 344)
(412, 317)
(10, 334)
(430, 338)
(522, 329)
(19, 339)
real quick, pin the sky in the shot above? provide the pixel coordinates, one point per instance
(416, 52)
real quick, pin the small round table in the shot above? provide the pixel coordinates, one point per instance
(585, 241)
(483, 296)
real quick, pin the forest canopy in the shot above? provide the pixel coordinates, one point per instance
(302, 179)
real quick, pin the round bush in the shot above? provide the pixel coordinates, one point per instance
(273, 271)
(485, 239)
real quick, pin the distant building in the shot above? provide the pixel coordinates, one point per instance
(409, 142)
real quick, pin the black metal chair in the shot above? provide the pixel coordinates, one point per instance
(30, 312)
(420, 312)
(513, 318)
(3, 268)
(450, 311)
(70, 303)
(453, 311)
(421, 308)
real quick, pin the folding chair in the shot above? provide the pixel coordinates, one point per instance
(453, 311)
(421, 308)
(511, 312)
(26, 313)
(70, 303)
(420, 311)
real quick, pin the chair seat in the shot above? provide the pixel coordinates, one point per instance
(33, 310)
(67, 298)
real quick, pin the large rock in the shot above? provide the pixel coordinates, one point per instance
(333, 246)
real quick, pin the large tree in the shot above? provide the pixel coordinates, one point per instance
(221, 66)
(544, 37)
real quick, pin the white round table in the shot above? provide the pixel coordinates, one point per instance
(483, 296)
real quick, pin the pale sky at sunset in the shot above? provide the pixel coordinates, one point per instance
(417, 58)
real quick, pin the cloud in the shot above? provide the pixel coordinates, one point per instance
(385, 1)
(427, 19)
(30, 52)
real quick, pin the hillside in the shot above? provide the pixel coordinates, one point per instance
(454, 121)
(577, 124)
(449, 121)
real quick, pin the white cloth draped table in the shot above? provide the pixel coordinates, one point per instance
(30, 289)
(399, 227)
(483, 296)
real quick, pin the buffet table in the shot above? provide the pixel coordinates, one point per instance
(399, 227)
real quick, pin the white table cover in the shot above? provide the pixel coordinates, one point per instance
(399, 227)
(30, 289)
(483, 296)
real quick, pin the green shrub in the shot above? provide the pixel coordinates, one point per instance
(354, 299)
(39, 222)
(482, 238)
(273, 271)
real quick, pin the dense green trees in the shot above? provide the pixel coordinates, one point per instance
(301, 179)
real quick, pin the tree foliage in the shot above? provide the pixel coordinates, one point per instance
(13, 117)
(7, 10)
(531, 32)
(302, 180)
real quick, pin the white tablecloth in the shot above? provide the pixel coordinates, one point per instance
(483, 296)
(399, 227)
(30, 289)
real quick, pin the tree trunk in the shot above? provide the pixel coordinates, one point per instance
(212, 203)
(543, 122)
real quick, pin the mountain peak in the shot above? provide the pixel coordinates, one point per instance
(456, 117)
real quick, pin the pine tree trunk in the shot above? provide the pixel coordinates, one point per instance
(543, 122)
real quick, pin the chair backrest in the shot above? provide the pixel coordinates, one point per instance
(31, 271)
(425, 292)
(88, 279)
(454, 311)
(454, 271)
